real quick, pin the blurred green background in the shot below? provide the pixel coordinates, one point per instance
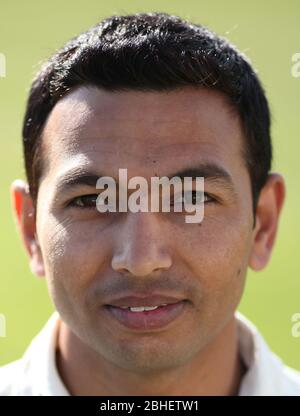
(268, 32)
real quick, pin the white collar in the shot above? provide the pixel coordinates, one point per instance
(263, 376)
(42, 357)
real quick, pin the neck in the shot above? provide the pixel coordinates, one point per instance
(216, 370)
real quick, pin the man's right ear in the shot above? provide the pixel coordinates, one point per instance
(24, 213)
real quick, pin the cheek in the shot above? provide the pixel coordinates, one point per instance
(73, 255)
(216, 253)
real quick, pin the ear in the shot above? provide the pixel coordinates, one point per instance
(25, 216)
(268, 210)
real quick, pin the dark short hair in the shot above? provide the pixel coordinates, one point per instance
(151, 51)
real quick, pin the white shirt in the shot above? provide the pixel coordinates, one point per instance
(35, 374)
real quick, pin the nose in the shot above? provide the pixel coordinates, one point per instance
(141, 248)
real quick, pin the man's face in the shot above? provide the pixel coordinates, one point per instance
(91, 258)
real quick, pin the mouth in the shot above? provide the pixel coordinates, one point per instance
(146, 317)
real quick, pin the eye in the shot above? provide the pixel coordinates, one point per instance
(202, 196)
(84, 201)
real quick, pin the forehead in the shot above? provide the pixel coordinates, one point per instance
(135, 130)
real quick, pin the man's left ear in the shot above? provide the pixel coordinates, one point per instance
(24, 213)
(268, 210)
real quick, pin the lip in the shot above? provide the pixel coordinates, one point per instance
(149, 300)
(147, 320)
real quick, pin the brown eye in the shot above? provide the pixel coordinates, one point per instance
(203, 196)
(84, 201)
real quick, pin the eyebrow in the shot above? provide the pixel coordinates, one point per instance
(76, 178)
(211, 172)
